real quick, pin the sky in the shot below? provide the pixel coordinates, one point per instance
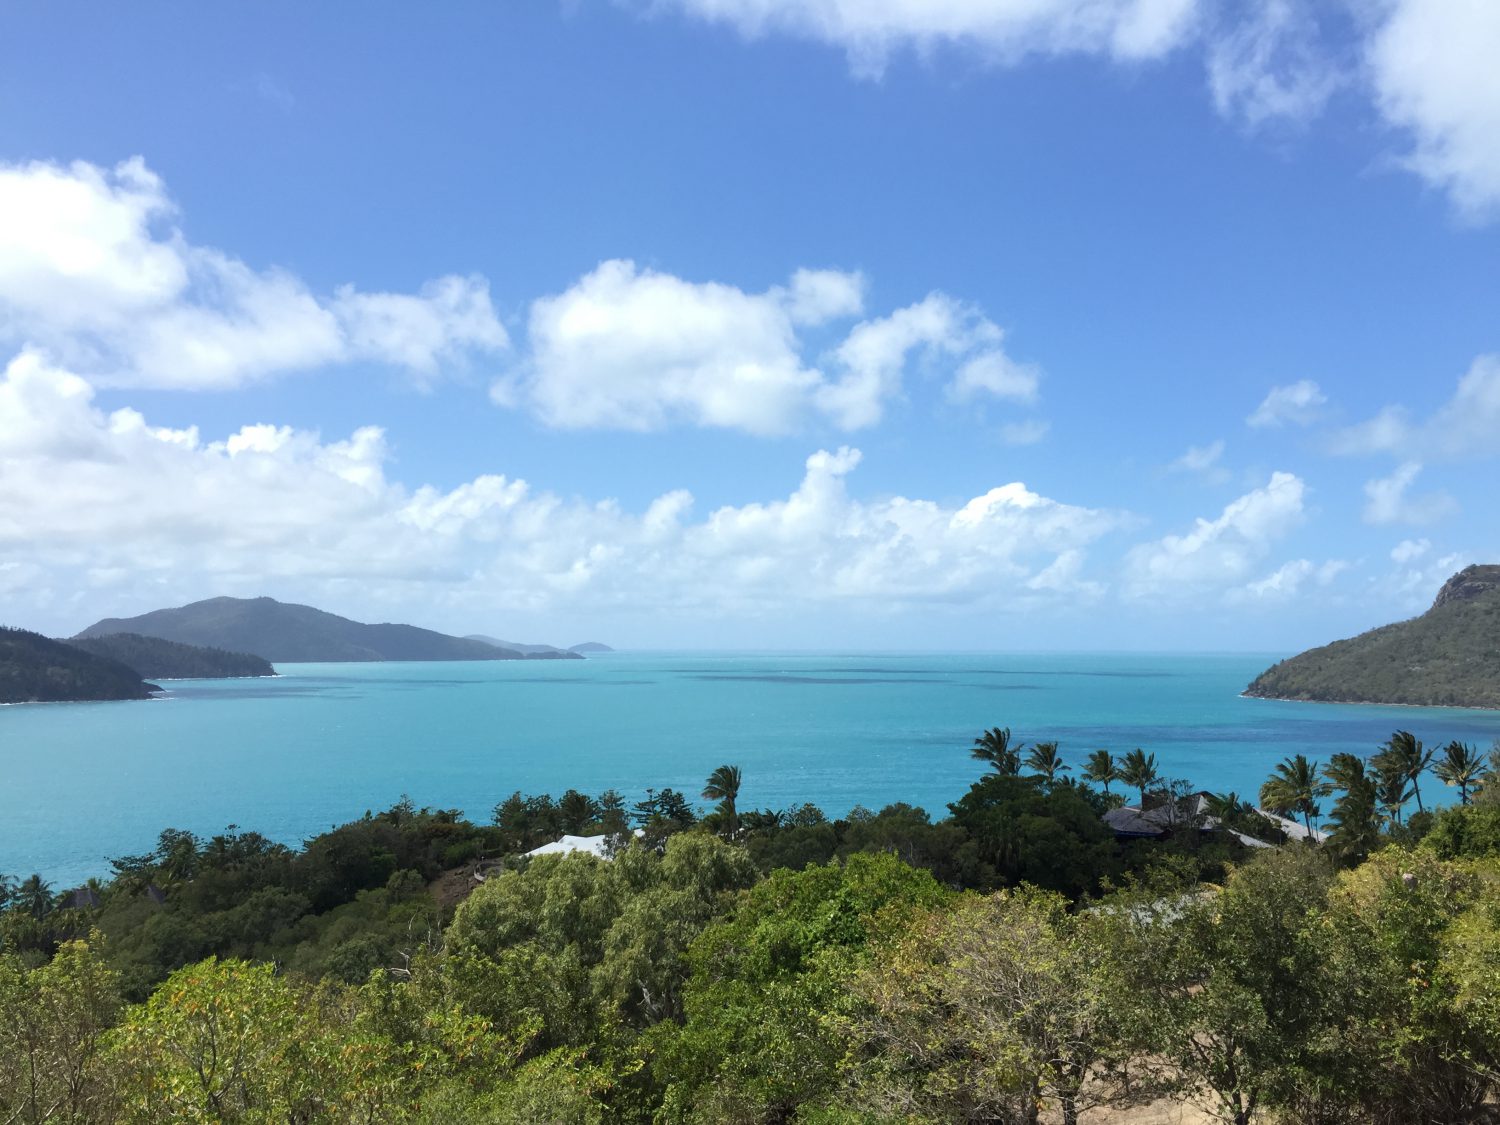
(773, 324)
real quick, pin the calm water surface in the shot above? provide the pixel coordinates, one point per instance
(324, 742)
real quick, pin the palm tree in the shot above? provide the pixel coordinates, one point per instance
(1295, 788)
(1229, 809)
(34, 896)
(1045, 760)
(993, 746)
(724, 786)
(1405, 750)
(1489, 777)
(1392, 787)
(1102, 768)
(1138, 770)
(1354, 823)
(1460, 765)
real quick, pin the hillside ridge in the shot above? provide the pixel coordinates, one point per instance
(37, 669)
(285, 632)
(159, 659)
(1446, 657)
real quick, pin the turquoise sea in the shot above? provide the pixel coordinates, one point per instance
(322, 743)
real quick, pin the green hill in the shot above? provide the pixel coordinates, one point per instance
(1448, 657)
(156, 659)
(36, 669)
(285, 633)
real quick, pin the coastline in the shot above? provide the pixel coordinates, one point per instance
(1376, 703)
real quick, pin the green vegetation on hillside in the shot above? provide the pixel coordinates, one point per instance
(159, 659)
(35, 669)
(764, 968)
(1448, 657)
(284, 633)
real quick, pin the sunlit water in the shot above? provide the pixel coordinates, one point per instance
(324, 742)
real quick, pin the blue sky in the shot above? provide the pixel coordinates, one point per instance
(754, 323)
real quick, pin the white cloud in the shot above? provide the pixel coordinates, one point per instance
(995, 373)
(94, 269)
(1413, 583)
(1386, 499)
(1410, 550)
(1464, 426)
(273, 509)
(635, 349)
(1432, 64)
(1203, 460)
(1289, 580)
(1030, 432)
(1270, 65)
(873, 357)
(870, 31)
(1427, 66)
(1218, 554)
(1297, 404)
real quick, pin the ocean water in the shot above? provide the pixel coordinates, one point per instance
(320, 744)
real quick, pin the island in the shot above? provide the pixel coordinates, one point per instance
(37, 669)
(1447, 657)
(530, 651)
(590, 647)
(282, 632)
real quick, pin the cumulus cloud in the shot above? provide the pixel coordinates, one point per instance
(82, 504)
(1410, 550)
(1204, 461)
(1271, 64)
(1433, 69)
(1464, 426)
(1289, 580)
(636, 349)
(94, 268)
(870, 31)
(1220, 553)
(1297, 404)
(1388, 499)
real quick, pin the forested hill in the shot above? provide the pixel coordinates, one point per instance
(35, 669)
(1448, 657)
(155, 658)
(285, 633)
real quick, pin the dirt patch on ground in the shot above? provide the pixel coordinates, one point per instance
(1157, 1113)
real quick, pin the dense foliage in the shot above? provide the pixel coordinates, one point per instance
(1009, 960)
(1448, 657)
(35, 669)
(155, 658)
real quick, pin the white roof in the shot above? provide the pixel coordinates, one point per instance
(594, 845)
(1293, 828)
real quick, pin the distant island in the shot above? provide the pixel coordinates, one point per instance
(158, 659)
(285, 633)
(542, 650)
(37, 669)
(1448, 657)
(590, 646)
